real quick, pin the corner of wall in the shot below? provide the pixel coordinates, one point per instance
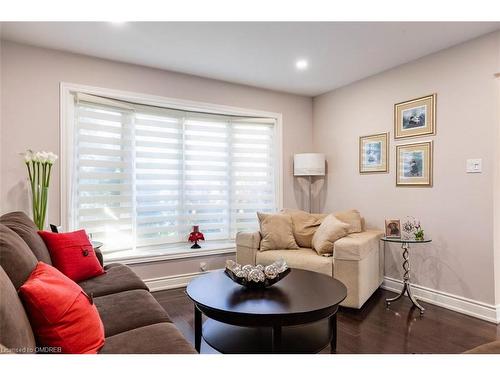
(496, 189)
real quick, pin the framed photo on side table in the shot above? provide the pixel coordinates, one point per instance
(393, 228)
(414, 164)
(374, 153)
(415, 117)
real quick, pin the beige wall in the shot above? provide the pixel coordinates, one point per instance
(457, 213)
(30, 103)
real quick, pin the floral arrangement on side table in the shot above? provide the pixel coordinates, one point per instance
(419, 232)
(39, 165)
(412, 229)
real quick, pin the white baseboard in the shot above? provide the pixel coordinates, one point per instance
(171, 282)
(481, 310)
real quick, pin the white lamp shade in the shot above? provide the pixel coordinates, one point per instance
(310, 164)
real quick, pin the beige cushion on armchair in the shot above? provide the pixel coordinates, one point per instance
(304, 225)
(351, 217)
(304, 259)
(330, 230)
(276, 232)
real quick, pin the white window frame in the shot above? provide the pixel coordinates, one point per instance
(67, 122)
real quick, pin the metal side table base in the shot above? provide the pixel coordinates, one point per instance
(406, 280)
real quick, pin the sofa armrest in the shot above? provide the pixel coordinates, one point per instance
(247, 245)
(99, 256)
(357, 246)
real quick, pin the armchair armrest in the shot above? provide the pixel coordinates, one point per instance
(357, 246)
(247, 245)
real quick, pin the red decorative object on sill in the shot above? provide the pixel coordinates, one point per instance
(196, 236)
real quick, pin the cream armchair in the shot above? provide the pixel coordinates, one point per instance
(357, 261)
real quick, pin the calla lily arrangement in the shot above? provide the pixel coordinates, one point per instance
(39, 166)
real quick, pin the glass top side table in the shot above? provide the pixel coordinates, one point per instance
(405, 245)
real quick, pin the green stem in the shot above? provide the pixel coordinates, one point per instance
(48, 175)
(34, 192)
(39, 193)
(29, 172)
(30, 175)
(43, 197)
(45, 190)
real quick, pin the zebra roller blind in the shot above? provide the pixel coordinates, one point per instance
(145, 175)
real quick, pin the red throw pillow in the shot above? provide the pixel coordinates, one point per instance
(60, 313)
(73, 254)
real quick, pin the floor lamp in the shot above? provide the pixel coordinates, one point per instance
(309, 165)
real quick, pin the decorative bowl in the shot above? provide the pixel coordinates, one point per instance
(259, 276)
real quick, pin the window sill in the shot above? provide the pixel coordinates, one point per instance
(169, 252)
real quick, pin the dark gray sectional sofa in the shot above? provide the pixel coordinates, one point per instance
(134, 322)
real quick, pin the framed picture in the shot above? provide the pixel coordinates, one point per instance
(393, 228)
(374, 153)
(415, 117)
(414, 164)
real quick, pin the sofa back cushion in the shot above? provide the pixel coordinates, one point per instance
(15, 330)
(16, 258)
(353, 218)
(276, 231)
(330, 230)
(61, 314)
(25, 228)
(304, 225)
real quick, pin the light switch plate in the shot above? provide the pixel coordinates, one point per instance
(474, 166)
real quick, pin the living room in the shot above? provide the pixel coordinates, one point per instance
(264, 187)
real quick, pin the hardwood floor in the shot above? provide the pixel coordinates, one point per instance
(374, 328)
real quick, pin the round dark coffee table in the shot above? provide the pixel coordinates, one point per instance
(296, 315)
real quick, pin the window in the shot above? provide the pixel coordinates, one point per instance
(143, 176)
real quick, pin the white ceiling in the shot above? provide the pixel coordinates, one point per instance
(255, 53)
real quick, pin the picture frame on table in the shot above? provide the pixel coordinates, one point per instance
(374, 153)
(392, 228)
(415, 118)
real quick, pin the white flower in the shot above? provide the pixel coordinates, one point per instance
(28, 156)
(42, 157)
(51, 157)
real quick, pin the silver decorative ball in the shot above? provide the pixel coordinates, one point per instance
(281, 265)
(247, 268)
(271, 271)
(260, 267)
(241, 273)
(256, 275)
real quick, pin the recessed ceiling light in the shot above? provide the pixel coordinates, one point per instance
(117, 23)
(301, 64)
